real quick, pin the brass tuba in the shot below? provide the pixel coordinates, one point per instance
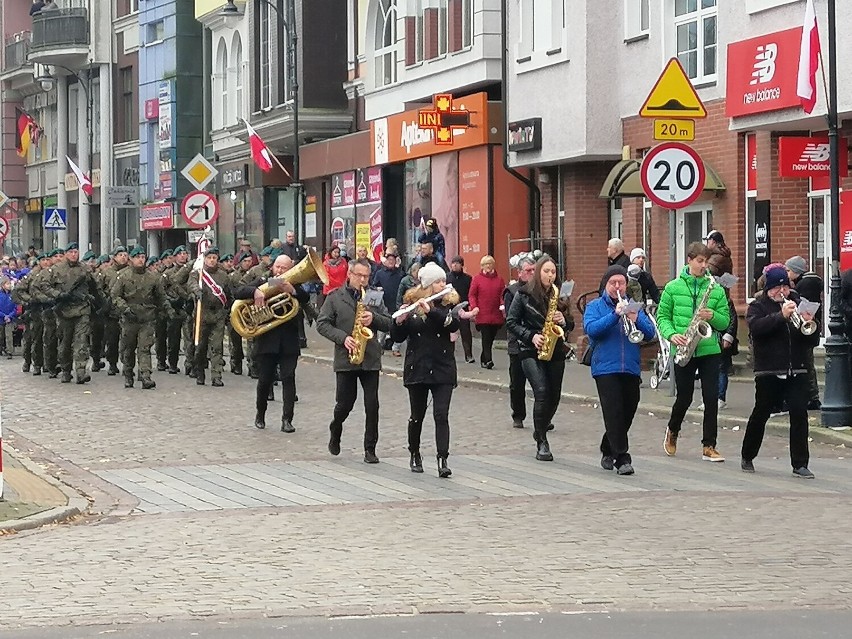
(250, 321)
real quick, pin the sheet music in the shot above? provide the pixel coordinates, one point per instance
(566, 289)
(806, 306)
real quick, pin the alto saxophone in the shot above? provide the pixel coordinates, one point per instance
(551, 331)
(360, 333)
(697, 330)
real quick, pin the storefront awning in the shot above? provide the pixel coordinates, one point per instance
(624, 180)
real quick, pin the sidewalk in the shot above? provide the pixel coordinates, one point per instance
(579, 387)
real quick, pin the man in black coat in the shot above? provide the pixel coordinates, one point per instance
(276, 348)
(779, 354)
(461, 281)
(387, 279)
(810, 286)
(517, 379)
(297, 253)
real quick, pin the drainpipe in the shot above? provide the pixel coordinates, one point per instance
(535, 191)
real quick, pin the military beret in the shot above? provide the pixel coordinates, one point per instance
(89, 255)
(43, 256)
(152, 260)
(179, 249)
(213, 250)
(118, 249)
(165, 254)
(103, 259)
(243, 256)
(226, 257)
(53, 253)
(59, 251)
(137, 250)
(266, 251)
(73, 246)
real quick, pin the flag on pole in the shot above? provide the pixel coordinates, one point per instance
(809, 54)
(82, 178)
(260, 153)
(28, 132)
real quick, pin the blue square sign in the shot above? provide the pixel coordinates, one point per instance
(55, 219)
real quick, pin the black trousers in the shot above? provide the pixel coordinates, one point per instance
(517, 389)
(347, 393)
(487, 332)
(466, 338)
(97, 348)
(268, 364)
(813, 382)
(161, 330)
(546, 381)
(418, 398)
(112, 338)
(173, 335)
(619, 396)
(708, 372)
(766, 389)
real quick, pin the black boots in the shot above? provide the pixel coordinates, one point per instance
(260, 420)
(543, 450)
(370, 457)
(416, 463)
(66, 377)
(148, 383)
(82, 379)
(287, 426)
(128, 381)
(334, 439)
(443, 469)
(113, 370)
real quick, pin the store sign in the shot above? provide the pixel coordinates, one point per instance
(525, 135)
(234, 177)
(801, 157)
(156, 216)
(33, 206)
(152, 109)
(762, 73)
(762, 237)
(751, 162)
(845, 233)
(397, 138)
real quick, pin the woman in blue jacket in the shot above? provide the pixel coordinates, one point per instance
(615, 365)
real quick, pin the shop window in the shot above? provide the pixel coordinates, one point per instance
(385, 44)
(696, 38)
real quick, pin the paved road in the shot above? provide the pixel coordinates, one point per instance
(202, 516)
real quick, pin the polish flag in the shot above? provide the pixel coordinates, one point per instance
(260, 153)
(808, 60)
(83, 180)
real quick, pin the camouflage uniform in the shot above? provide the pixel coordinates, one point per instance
(177, 298)
(21, 295)
(45, 341)
(112, 317)
(76, 293)
(214, 314)
(138, 297)
(179, 294)
(98, 322)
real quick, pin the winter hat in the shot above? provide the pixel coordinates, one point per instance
(637, 252)
(615, 269)
(715, 236)
(776, 277)
(431, 273)
(797, 264)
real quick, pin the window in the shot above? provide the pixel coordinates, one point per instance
(156, 32)
(467, 23)
(525, 46)
(443, 27)
(267, 37)
(695, 29)
(94, 106)
(72, 114)
(542, 31)
(133, 5)
(220, 85)
(125, 83)
(637, 18)
(414, 33)
(385, 45)
(237, 67)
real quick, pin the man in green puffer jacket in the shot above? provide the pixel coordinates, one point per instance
(679, 303)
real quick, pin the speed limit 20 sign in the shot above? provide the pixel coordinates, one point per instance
(672, 175)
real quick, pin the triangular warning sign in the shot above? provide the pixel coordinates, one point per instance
(55, 221)
(673, 96)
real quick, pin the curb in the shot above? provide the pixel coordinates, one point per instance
(776, 426)
(76, 505)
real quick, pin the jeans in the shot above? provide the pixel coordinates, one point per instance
(418, 398)
(466, 338)
(347, 393)
(517, 389)
(546, 381)
(724, 370)
(766, 389)
(619, 397)
(487, 332)
(268, 364)
(708, 372)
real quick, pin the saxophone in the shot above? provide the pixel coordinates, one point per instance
(697, 330)
(551, 332)
(360, 333)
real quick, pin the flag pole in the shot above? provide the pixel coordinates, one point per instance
(197, 335)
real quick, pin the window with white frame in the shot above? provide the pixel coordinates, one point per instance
(237, 69)
(385, 43)
(542, 29)
(134, 6)
(267, 36)
(220, 85)
(467, 23)
(637, 18)
(696, 38)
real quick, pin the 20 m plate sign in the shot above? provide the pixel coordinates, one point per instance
(672, 175)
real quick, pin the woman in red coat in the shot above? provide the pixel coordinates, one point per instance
(337, 268)
(485, 297)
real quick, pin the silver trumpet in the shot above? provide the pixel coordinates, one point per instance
(634, 335)
(807, 327)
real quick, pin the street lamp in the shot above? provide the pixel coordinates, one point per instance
(231, 11)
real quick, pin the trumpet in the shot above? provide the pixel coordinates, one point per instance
(634, 335)
(405, 310)
(807, 327)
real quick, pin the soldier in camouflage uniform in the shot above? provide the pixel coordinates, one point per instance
(179, 290)
(43, 295)
(96, 318)
(235, 341)
(76, 294)
(112, 316)
(213, 293)
(22, 295)
(227, 263)
(139, 297)
(162, 325)
(177, 297)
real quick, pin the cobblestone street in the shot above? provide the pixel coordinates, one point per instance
(207, 516)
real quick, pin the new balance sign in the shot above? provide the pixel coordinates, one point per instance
(803, 157)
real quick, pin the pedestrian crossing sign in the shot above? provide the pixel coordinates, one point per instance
(55, 219)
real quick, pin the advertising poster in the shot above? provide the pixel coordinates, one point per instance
(368, 212)
(445, 200)
(165, 131)
(473, 206)
(343, 211)
(845, 231)
(418, 200)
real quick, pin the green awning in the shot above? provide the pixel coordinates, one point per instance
(624, 180)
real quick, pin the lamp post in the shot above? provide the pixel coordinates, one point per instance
(837, 404)
(230, 11)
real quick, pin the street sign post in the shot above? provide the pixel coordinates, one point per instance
(55, 219)
(3, 199)
(121, 197)
(673, 103)
(667, 130)
(672, 175)
(4, 228)
(199, 209)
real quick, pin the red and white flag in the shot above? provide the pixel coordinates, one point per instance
(82, 179)
(808, 60)
(260, 153)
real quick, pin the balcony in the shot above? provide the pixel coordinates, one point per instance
(17, 71)
(61, 37)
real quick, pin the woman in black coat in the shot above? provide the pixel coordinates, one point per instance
(430, 363)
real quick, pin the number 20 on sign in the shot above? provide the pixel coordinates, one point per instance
(672, 175)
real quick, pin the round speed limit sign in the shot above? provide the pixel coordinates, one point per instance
(672, 175)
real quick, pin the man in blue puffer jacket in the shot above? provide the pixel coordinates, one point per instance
(615, 365)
